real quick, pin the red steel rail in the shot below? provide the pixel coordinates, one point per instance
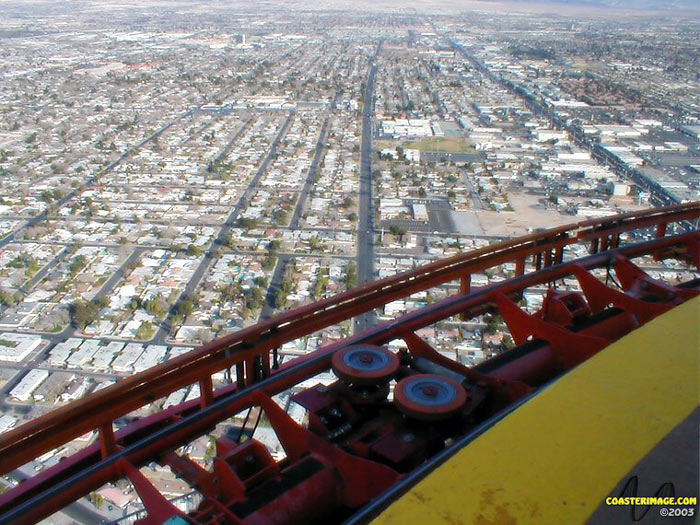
(240, 350)
(253, 351)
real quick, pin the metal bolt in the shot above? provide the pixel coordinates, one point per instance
(408, 438)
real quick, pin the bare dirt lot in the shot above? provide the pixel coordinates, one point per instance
(528, 215)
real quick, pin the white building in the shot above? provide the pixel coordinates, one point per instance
(7, 422)
(29, 383)
(420, 212)
(15, 347)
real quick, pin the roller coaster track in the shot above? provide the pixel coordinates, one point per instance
(570, 328)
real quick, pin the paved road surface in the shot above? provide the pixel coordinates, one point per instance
(313, 169)
(365, 226)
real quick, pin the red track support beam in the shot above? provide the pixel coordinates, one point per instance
(362, 478)
(660, 232)
(206, 390)
(265, 365)
(573, 348)
(559, 255)
(158, 507)
(108, 444)
(250, 371)
(600, 296)
(194, 474)
(506, 390)
(465, 285)
(240, 375)
(661, 229)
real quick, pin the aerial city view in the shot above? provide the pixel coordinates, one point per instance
(173, 172)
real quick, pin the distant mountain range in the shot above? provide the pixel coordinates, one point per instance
(625, 4)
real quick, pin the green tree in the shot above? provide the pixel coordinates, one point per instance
(185, 307)
(77, 264)
(396, 230)
(6, 298)
(83, 313)
(157, 306)
(193, 250)
(247, 223)
(145, 331)
(350, 275)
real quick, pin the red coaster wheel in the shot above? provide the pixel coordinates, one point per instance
(364, 364)
(429, 397)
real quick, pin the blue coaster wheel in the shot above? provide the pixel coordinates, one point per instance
(429, 397)
(364, 365)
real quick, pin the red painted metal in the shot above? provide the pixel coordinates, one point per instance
(429, 397)
(43, 434)
(568, 329)
(159, 508)
(364, 365)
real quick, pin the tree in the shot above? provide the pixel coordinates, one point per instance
(145, 331)
(350, 275)
(83, 313)
(396, 230)
(77, 264)
(321, 283)
(185, 307)
(156, 306)
(193, 250)
(228, 240)
(493, 323)
(247, 223)
(6, 298)
(280, 216)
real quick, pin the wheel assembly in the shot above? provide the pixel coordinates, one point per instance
(365, 365)
(429, 397)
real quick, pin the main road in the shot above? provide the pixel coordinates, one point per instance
(365, 225)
